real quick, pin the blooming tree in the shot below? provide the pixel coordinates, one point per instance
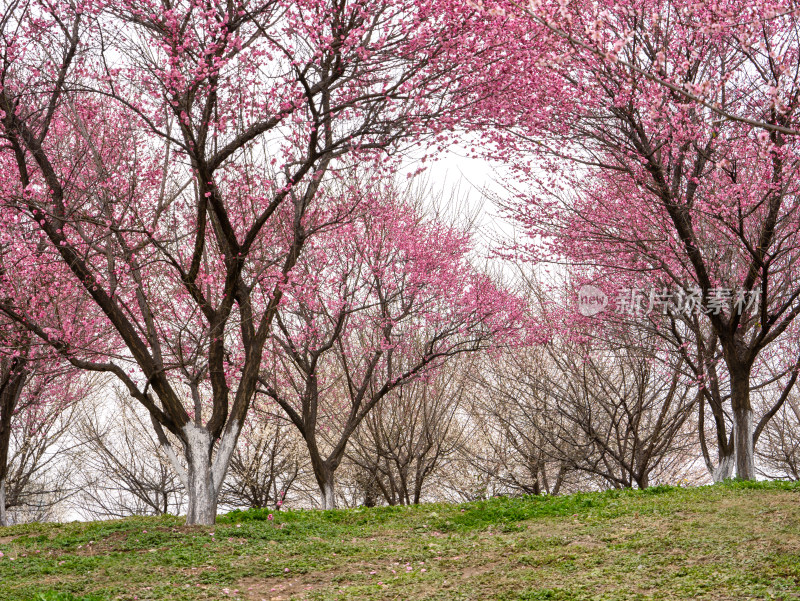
(379, 302)
(35, 389)
(657, 138)
(165, 158)
(13, 374)
(35, 383)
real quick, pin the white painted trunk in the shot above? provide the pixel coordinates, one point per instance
(328, 495)
(743, 442)
(724, 469)
(200, 482)
(202, 497)
(203, 478)
(3, 514)
(227, 445)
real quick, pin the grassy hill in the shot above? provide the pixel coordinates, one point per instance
(729, 541)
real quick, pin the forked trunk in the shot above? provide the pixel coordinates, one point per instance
(724, 468)
(324, 471)
(203, 478)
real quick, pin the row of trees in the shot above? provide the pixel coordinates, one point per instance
(544, 420)
(198, 206)
(165, 169)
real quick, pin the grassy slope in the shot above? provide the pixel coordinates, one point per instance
(731, 541)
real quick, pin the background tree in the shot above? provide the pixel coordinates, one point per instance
(34, 445)
(37, 396)
(123, 469)
(379, 302)
(630, 178)
(780, 451)
(412, 435)
(268, 462)
(611, 410)
(517, 454)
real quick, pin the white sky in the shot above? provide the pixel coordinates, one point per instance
(467, 187)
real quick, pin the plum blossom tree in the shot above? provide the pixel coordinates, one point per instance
(13, 375)
(658, 140)
(165, 160)
(695, 341)
(756, 41)
(35, 389)
(36, 385)
(378, 302)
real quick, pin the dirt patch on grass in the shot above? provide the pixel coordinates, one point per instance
(586, 543)
(356, 572)
(278, 589)
(479, 570)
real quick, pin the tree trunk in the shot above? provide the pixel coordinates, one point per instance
(417, 491)
(3, 515)
(324, 470)
(202, 496)
(562, 472)
(203, 478)
(742, 424)
(328, 491)
(12, 381)
(726, 461)
(724, 468)
(199, 479)
(743, 436)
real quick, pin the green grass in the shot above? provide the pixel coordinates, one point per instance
(730, 541)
